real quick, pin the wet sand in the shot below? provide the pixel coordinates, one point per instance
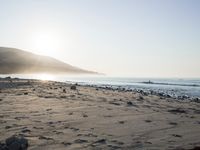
(51, 115)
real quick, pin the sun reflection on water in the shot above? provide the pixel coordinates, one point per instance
(44, 77)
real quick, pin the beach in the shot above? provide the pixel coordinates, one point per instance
(56, 115)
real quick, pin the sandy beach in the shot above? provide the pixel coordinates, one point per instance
(54, 115)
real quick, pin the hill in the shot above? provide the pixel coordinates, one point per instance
(16, 61)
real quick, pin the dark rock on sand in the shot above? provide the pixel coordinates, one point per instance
(148, 121)
(129, 103)
(80, 141)
(16, 143)
(177, 110)
(66, 143)
(196, 148)
(196, 100)
(176, 135)
(3, 146)
(102, 141)
(73, 87)
(141, 98)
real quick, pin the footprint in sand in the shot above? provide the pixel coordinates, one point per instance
(80, 141)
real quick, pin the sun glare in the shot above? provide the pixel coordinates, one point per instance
(46, 43)
(44, 77)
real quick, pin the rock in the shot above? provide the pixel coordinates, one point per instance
(14, 146)
(80, 141)
(73, 87)
(25, 130)
(3, 146)
(168, 96)
(8, 127)
(129, 103)
(196, 100)
(8, 78)
(148, 121)
(102, 141)
(177, 110)
(64, 90)
(141, 98)
(16, 143)
(161, 94)
(196, 148)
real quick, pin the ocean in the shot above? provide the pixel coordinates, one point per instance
(169, 86)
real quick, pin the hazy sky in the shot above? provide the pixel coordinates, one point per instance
(138, 38)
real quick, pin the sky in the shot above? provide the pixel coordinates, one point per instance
(124, 38)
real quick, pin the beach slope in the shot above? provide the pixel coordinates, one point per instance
(54, 115)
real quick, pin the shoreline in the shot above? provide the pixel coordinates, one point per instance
(58, 115)
(117, 88)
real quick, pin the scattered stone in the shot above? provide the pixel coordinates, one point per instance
(80, 141)
(16, 143)
(84, 115)
(196, 148)
(63, 96)
(161, 94)
(114, 103)
(25, 131)
(71, 113)
(48, 109)
(45, 138)
(102, 141)
(173, 123)
(196, 100)
(121, 122)
(141, 98)
(73, 87)
(8, 127)
(177, 110)
(168, 96)
(8, 78)
(66, 143)
(148, 121)
(129, 103)
(176, 135)
(3, 146)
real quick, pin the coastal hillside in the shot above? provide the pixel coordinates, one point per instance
(14, 61)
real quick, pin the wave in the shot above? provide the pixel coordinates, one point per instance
(173, 84)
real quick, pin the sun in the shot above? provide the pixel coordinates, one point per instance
(46, 43)
(44, 77)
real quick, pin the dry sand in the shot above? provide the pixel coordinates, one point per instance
(52, 116)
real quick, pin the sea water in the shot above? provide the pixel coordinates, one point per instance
(189, 87)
